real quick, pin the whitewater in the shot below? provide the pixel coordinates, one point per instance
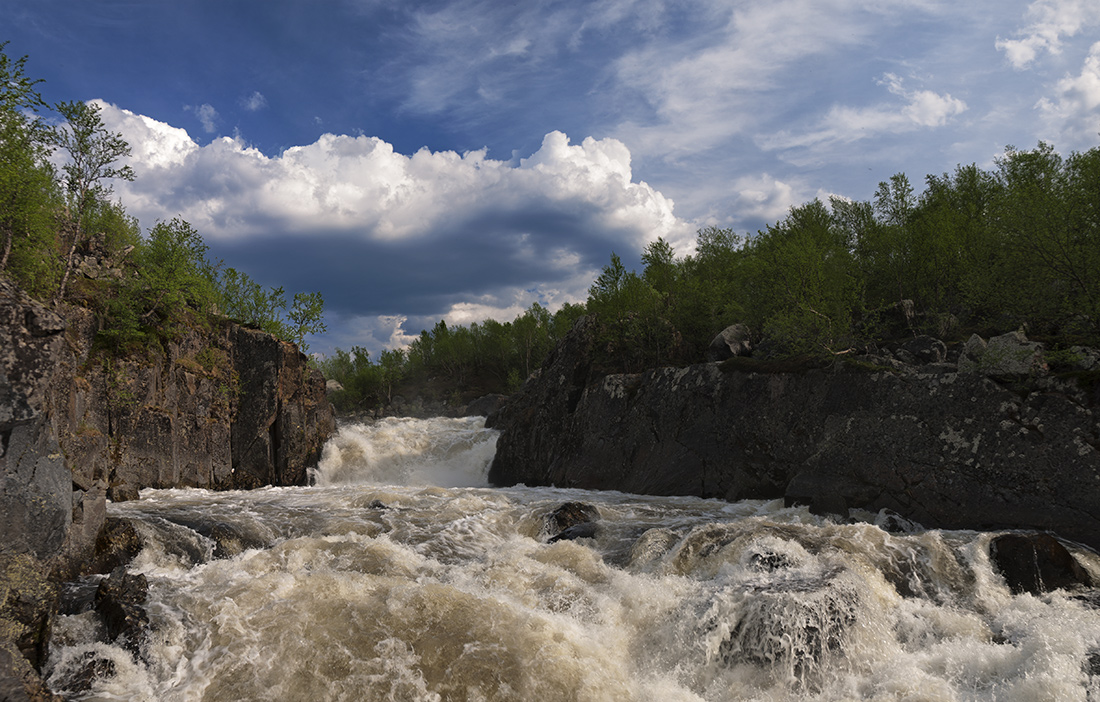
(401, 575)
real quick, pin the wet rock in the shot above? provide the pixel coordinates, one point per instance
(794, 627)
(229, 539)
(734, 340)
(584, 530)
(120, 601)
(893, 523)
(769, 561)
(123, 493)
(1036, 563)
(567, 515)
(18, 680)
(117, 544)
(80, 677)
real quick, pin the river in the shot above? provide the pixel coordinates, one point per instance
(401, 576)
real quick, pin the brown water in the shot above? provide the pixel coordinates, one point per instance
(401, 577)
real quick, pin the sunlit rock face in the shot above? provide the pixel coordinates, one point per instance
(942, 447)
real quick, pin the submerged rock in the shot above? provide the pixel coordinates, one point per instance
(1036, 563)
(579, 516)
(794, 627)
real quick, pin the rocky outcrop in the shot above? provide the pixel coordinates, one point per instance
(941, 447)
(219, 406)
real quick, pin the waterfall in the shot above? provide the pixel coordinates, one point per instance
(400, 576)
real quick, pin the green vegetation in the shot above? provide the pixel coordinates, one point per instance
(990, 251)
(454, 363)
(159, 284)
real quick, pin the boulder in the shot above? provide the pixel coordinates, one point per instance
(1008, 356)
(571, 520)
(734, 340)
(485, 405)
(1036, 563)
(120, 602)
(922, 350)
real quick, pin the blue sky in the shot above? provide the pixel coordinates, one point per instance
(461, 159)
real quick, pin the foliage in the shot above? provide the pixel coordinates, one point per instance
(93, 152)
(29, 196)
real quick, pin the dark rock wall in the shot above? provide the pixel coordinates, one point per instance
(218, 408)
(944, 448)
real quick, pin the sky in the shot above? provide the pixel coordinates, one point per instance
(463, 159)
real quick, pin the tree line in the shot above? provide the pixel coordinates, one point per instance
(1015, 246)
(986, 250)
(49, 216)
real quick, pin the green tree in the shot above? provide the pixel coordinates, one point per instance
(28, 193)
(307, 312)
(93, 155)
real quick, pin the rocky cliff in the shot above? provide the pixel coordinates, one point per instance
(218, 407)
(989, 440)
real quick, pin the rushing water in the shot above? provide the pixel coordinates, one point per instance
(399, 576)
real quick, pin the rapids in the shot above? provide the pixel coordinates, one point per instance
(401, 576)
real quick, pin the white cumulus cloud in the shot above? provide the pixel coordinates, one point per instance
(390, 234)
(1074, 111)
(1050, 22)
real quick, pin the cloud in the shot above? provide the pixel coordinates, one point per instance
(844, 124)
(1074, 112)
(254, 102)
(207, 115)
(1050, 21)
(764, 197)
(389, 234)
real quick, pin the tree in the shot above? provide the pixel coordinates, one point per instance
(93, 153)
(28, 194)
(306, 316)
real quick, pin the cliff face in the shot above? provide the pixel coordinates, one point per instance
(223, 408)
(946, 448)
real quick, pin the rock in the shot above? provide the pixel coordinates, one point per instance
(28, 600)
(893, 523)
(332, 386)
(943, 449)
(280, 428)
(1008, 356)
(734, 340)
(485, 405)
(123, 493)
(793, 627)
(36, 496)
(585, 530)
(924, 349)
(567, 515)
(117, 544)
(19, 682)
(1036, 563)
(120, 601)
